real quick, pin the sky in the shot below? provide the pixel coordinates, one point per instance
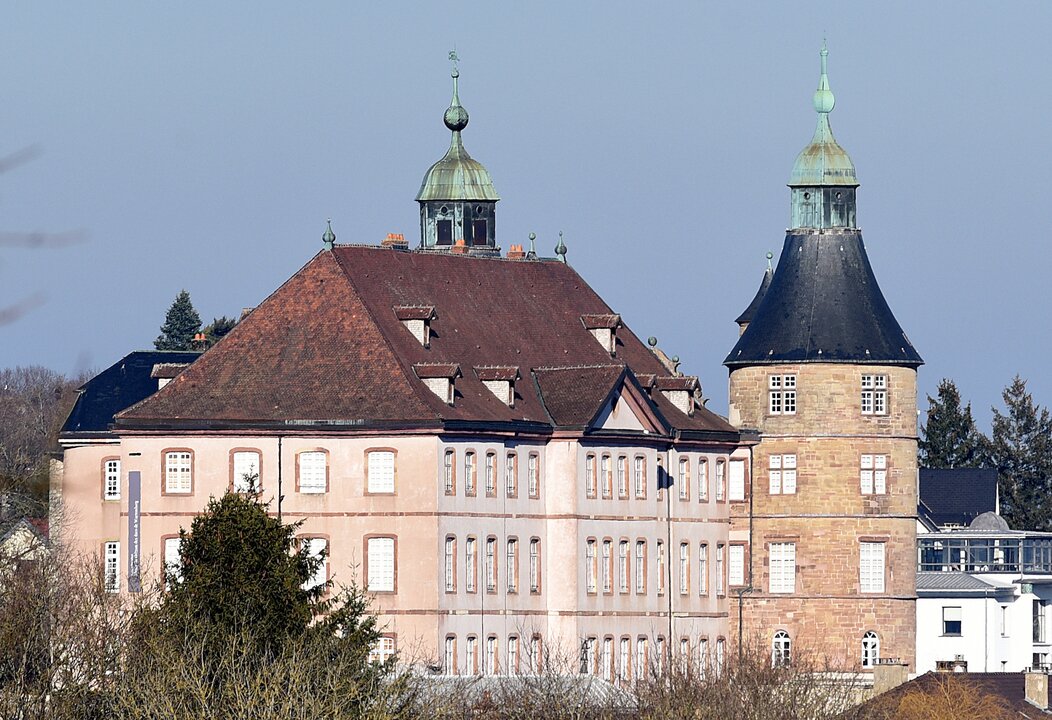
(203, 146)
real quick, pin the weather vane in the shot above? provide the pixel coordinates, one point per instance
(454, 58)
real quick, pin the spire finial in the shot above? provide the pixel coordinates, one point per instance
(770, 256)
(560, 249)
(329, 238)
(823, 98)
(456, 117)
(532, 254)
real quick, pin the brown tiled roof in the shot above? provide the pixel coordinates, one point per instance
(327, 346)
(415, 312)
(437, 370)
(677, 382)
(498, 372)
(646, 380)
(167, 370)
(602, 320)
(1011, 687)
(573, 396)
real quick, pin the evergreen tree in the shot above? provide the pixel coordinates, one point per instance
(949, 438)
(219, 327)
(180, 325)
(1021, 449)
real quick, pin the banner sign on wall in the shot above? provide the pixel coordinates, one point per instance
(134, 530)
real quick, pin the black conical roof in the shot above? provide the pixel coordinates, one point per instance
(750, 312)
(823, 305)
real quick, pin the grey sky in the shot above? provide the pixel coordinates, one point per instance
(203, 145)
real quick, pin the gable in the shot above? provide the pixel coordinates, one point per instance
(622, 413)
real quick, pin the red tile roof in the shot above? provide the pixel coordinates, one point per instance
(498, 372)
(167, 370)
(596, 321)
(414, 312)
(674, 382)
(437, 370)
(326, 346)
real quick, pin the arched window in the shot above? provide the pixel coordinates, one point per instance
(781, 649)
(870, 649)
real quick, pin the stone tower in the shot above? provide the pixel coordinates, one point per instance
(825, 374)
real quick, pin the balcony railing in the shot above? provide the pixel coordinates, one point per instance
(1014, 555)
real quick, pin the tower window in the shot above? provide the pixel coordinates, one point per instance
(781, 395)
(874, 394)
(479, 232)
(445, 232)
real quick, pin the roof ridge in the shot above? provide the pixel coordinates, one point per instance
(594, 366)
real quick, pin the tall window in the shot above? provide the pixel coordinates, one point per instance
(659, 654)
(604, 476)
(721, 579)
(781, 394)
(111, 480)
(491, 564)
(874, 394)
(639, 476)
(608, 585)
(450, 664)
(641, 657)
(513, 654)
(381, 471)
(383, 650)
(782, 649)
(491, 474)
(624, 660)
(589, 475)
(472, 655)
(590, 564)
(317, 550)
(703, 657)
(736, 565)
(871, 567)
(622, 476)
(703, 480)
(783, 474)
(535, 565)
(449, 479)
(471, 564)
(313, 472)
(246, 471)
(683, 478)
(721, 648)
(536, 655)
(874, 474)
(661, 574)
(111, 566)
(703, 569)
(608, 659)
(720, 480)
(622, 566)
(533, 475)
(173, 561)
(491, 655)
(1040, 630)
(641, 567)
(511, 570)
(381, 565)
(684, 568)
(177, 472)
(736, 481)
(451, 564)
(511, 475)
(782, 561)
(588, 650)
(870, 649)
(951, 620)
(469, 473)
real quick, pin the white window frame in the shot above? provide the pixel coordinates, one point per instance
(313, 471)
(782, 469)
(703, 480)
(736, 481)
(381, 472)
(246, 462)
(607, 570)
(451, 564)
(178, 472)
(449, 482)
(871, 567)
(684, 478)
(111, 480)
(684, 568)
(621, 471)
(470, 472)
(491, 564)
(533, 475)
(874, 398)
(721, 579)
(622, 566)
(383, 564)
(782, 564)
(590, 565)
(703, 568)
(512, 559)
(641, 567)
(721, 477)
(111, 566)
(873, 474)
(470, 564)
(870, 649)
(535, 565)
(316, 547)
(736, 565)
(591, 486)
(639, 476)
(491, 474)
(781, 649)
(781, 394)
(511, 471)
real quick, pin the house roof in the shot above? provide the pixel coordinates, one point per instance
(327, 348)
(750, 312)
(952, 581)
(119, 386)
(1011, 687)
(956, 496)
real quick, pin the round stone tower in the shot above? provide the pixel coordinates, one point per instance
(826, 376)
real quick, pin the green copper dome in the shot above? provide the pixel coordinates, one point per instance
(823, 161)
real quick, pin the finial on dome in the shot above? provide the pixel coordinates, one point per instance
(560, 249)
(532, 254)
(770, 256)
(823, 98)
(329, 238)
(456, 117)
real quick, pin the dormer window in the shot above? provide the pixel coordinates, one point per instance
(164, 373)
(604, 330)
(499, 380)
(679, 390)
(417, 320)
(440, 378)
(647, 381)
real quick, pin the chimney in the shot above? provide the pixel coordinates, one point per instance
(889, 673)
(396, 241)
(1037, 689)
(460, 247)
(515, 252)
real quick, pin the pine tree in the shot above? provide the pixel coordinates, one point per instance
(180, 325)
(949, 438)
(1021, 449)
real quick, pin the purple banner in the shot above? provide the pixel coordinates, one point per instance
(134, 530)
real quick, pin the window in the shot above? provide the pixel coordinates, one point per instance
(874, 474)
(491, 564)
(641, 568)
(590, 564)
(781, 649)
(536, 655)
(246, 471)
(513, 655)
(871, 567)
(512, 567)
(449, 479)
(111, 480)
(1004, 621)
(589, 475)
(1040, 634)
(381, 564)
(173, 561)
(736, 484)
(703, 657)
(472, 658)
(874, 394)
(639, 476)
(511, 475)
(533, 475)
(608, 659)
(608, 582)
(451, 564)
(720, 577)
(721, 646)
(781, 394)
(491, 655)
(604, 473)
(622, 566)
(684, 654)
(588, 656)
(870, 649)
(178, 472)
(661, 566)
(317, 550)
(450, 663)
(111, 566)
(491, 474)
(783, 474)
(720, 484)
(313, 471)
(381, 471)
(535, 565)
(641, 657)
(471, 564)
(703, 480)
(703, 569)
(683, 479)
(659, 654)
(624, 660)
(622, 476)
(469, 473)
(684, 568)
(782, 559)
(736, 565)
(383, 650)
(951, 621)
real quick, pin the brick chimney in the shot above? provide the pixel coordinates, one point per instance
(396, 241)
(889, 673)
(515, 252)
(1037, 689)
(460, 247)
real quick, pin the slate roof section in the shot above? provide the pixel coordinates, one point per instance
(126, 382)
(750, 312)
(326, 347)
(823, 305)
(956, 496)
(573, 396)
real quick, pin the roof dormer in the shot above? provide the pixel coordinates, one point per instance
(604, 329)
(164, 373)
(417, 320)
(499, 380)
(440, 378)
(679, 390)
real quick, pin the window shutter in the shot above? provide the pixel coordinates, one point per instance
(312, 472)
(736, 568)
(245, 463)
(381, 564)
(737, 480)
(381, 471)
(871, 567)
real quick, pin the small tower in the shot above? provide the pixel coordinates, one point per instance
(457, 198)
